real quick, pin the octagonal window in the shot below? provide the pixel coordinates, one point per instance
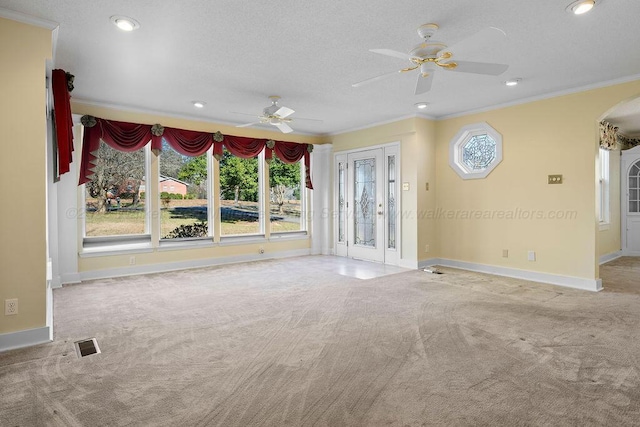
(475, 151)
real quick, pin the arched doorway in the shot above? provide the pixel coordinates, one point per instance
(620, 233)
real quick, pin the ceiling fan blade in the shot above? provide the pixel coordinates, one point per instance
(248, 124)
(375, 79)
(424, 83)
(479, 68)
(476, 43)
(393, 53)
(284, 112)
(284, 128)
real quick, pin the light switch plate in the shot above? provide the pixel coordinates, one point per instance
(555, 179)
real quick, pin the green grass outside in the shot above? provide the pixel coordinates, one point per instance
(119, 222)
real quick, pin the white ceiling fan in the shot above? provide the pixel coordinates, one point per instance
(430, 56)
(275, 115)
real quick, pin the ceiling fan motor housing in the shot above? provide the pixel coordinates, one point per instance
(427, 49)
(427, 30)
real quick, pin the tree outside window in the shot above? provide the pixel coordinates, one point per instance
(285, 190)
(114, 198)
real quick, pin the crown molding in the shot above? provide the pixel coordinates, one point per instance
(549, 95)
(384, 122)
(28, 19)
(131, 109)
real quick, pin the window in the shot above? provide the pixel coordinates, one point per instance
(115, 196)
(184, 208)
(475, 151)
(634, 188)
(603, 188)
(240, 204)
(286, 190)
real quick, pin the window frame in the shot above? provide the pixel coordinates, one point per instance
(91, 242)
(233, 238)
(210, 216)
(303, 204)
(457, 144)
(604, 180)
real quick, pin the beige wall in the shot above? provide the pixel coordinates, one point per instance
(24, 50)
(426, 203)
(414, 138)
(552, 136)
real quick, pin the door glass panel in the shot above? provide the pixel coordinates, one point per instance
(634, 188)
(341, 202)
(391, 202)
(365, 203)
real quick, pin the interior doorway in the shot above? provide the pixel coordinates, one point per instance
(630, 201)
(367, 224)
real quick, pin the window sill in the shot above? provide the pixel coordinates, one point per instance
(604, 226)
(115, 249)
(290, 235)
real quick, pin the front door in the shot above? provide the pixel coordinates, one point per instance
(366, 197)
(631, 202)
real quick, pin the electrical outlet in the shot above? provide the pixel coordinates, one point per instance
(10, 306)
(426, 248)
(132, 260)
(505, 253)
(531, 256)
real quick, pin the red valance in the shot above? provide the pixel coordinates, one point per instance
(290, 152)
(132, 137)
(63, 121)
(120, 136)
(188, 142)
(241, 147)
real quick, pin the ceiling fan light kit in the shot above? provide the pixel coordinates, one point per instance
(275, 115)
(580, 7)
(431, 56)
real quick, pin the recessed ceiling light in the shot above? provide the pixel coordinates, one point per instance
(579, 7)
(421, 105)
(513, 82)
(125, 23)
(199, 104)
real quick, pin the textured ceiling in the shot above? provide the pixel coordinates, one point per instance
(233, 54)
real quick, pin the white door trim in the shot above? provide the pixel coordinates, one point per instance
(392, 257)
(629, 158)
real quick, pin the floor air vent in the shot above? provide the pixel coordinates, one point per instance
(87, 347)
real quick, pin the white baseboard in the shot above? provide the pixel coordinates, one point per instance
(593, 285)
(610, 257)
(27, 338)
(184, 265)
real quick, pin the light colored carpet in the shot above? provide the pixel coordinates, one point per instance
(293, 342)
